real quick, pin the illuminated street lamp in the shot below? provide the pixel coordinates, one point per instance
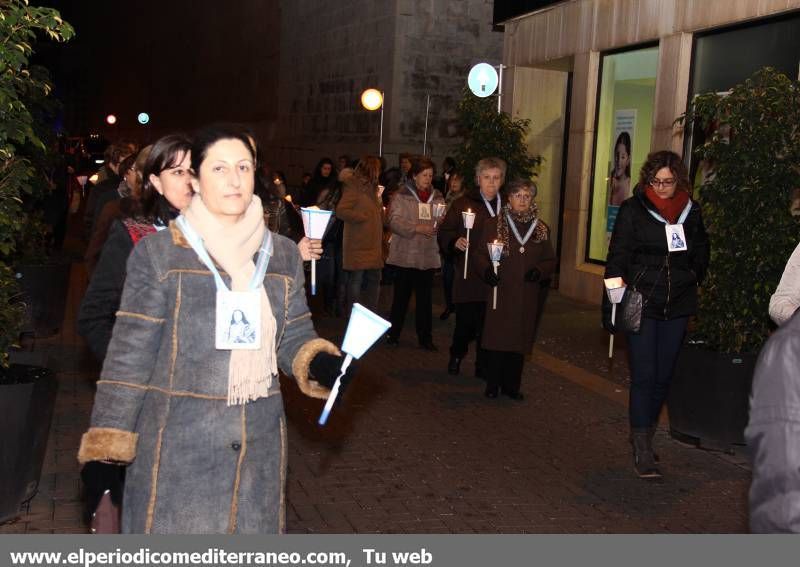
(143, 118)
(484, 79)
(372, 99)
(111, 119)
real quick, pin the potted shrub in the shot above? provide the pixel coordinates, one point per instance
(753, 154)
(27, 393)
(485, 133)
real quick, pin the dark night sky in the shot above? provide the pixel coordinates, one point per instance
(185, 62)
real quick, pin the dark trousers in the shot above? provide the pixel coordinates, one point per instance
(448, 275)
(469, 326)
(364, 287)
(420, 282)
(653, 353)
(503, 370)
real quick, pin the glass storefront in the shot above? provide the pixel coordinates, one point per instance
(726, 57)
(622, 138)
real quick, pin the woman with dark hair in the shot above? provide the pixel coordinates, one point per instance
(165, 191)
(201, 429)
(414, 251)
(361, 211)
(323, 179)
(619, 181)
(647, 258)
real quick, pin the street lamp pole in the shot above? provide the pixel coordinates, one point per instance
(372, 99)
(380, 139)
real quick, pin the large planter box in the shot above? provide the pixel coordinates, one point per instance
(27, 399)
(709, 397)
(44, 288)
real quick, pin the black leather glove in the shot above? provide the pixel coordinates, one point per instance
(325, 368)
(533, 275)
(490, 277)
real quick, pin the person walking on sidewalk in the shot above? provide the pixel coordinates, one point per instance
(527, 262)
(361, 210)
(413, 251)
(454, 190)
(643, 253)
(198, 420)
(469, 295)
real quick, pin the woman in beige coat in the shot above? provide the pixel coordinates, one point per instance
(414, 250)
(361, 211)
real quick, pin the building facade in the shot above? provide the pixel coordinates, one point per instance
(415, 51)
(603, 82)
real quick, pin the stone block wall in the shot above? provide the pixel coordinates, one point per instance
(331, 51)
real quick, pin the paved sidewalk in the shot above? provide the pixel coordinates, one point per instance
(414, 450)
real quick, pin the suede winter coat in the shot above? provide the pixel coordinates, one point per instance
(361, 211)
(473, 288)
(638, 251)
(195, 465)
(512, 326)
(407, 248)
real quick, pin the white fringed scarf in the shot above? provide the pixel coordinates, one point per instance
(251, 372)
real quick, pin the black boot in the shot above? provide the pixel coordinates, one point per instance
(454, 365)
(643, 462)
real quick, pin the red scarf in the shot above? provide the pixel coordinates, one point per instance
(423, 195)
(670, 209)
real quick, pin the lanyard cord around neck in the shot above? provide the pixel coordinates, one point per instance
(681, 218)
(264, 254)
(489, 207)
(417, 196)
(513, 226)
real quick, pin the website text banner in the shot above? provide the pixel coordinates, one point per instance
(396, 550)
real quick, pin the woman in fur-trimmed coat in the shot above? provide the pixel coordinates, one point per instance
(202, 430)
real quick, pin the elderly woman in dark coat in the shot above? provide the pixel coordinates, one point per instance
(527, 261)
(198, 422)
(660, 247)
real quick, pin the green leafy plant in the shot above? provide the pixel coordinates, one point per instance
(487, 133)
(23, 92)
(753, 152)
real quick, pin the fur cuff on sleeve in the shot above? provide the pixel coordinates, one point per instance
(302, 362)
(107, 444)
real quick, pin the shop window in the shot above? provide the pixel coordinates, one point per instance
(622, 138)
(774, 42)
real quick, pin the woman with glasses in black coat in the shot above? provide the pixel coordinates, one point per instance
(660, 247)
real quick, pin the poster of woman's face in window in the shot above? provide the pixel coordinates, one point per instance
(619, 181)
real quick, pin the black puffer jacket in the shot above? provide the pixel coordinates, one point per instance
(638, 253)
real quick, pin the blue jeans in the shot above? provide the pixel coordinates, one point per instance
(364, 287)
(653, 353)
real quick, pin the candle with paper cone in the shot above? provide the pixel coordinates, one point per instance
(363, 329)
(469, 220)
(315, 223)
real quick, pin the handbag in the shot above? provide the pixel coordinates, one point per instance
(103, 489)
(106, 517)
(629, 312)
